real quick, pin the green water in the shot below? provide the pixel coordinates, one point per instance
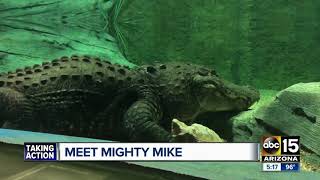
(267, 44)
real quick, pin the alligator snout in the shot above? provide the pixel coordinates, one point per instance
(243, 96)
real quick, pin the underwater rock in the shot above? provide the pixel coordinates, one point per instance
(295, 112)
(245, 127)
(193, 133)
(291, 112)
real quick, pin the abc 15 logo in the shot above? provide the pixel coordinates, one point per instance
(280, 145)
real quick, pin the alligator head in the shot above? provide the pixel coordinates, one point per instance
(216, 94)
(191, 89)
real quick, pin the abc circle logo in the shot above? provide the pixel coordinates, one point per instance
(271, 145)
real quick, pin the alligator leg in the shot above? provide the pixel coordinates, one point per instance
(142, 117)
(15, 111)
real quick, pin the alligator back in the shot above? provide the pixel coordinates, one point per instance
(75, 73)
(67, 94)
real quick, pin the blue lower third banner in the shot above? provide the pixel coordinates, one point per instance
(40, 151)
(114, 151)
(290, 166)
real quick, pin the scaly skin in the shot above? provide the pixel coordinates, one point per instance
(84, 96)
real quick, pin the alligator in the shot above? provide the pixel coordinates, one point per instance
(89, 97)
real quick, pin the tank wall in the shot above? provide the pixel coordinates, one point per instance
(267, 44)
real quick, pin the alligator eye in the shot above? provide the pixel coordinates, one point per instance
(203, 72)
(213, 72)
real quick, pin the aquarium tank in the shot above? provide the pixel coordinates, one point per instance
(159, 89)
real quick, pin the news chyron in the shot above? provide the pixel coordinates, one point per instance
(280, 153)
